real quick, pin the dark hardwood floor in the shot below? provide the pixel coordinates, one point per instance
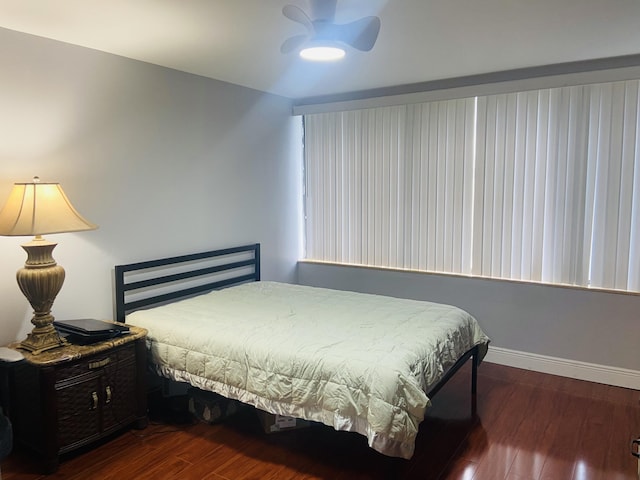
(529, 426)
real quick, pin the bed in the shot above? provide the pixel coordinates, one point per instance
(357, 362)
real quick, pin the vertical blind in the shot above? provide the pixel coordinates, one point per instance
(539, 186)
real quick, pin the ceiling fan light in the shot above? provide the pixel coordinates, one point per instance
(322, 53)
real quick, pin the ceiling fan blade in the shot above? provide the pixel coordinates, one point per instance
(361, 34)
(291, 43)
(323, 10)
(297, 15)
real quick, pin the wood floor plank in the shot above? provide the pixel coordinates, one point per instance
(460, 469)
(529, 438)
(597, 431)
(492, 393)
(626, 424)
(561, 462)
(502, 433)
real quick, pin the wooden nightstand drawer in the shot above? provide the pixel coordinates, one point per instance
(97, 362)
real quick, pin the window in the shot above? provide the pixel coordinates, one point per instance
(542, 185)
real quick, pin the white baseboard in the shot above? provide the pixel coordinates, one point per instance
(619, 377)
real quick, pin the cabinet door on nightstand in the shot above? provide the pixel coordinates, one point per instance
(78, 409)
(118, 390)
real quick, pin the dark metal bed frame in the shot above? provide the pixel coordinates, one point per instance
(232, 263)
(237, 265)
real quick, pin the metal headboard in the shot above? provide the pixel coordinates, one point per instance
(230, 268)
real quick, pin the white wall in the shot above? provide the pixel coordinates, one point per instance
(577, 325)
(164, 162)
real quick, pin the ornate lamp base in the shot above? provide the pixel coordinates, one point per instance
(40, 341)
(40, 281)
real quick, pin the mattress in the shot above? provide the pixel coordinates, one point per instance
(353, 361)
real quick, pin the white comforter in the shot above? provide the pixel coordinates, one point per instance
(353, 361)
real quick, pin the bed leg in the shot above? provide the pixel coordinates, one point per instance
(474, 382)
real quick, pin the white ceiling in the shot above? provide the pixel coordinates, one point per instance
(238, 41)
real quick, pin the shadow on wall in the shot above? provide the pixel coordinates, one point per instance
(14, 308)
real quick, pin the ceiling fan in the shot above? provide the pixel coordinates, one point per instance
(324, 33)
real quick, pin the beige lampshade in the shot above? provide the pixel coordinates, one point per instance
(40, 209)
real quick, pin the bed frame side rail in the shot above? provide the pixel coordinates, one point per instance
(123, 287)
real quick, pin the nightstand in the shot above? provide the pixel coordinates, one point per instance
(68, 397)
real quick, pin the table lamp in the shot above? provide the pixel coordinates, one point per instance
(37, 209)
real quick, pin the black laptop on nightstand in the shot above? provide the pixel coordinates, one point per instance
(84, 331)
